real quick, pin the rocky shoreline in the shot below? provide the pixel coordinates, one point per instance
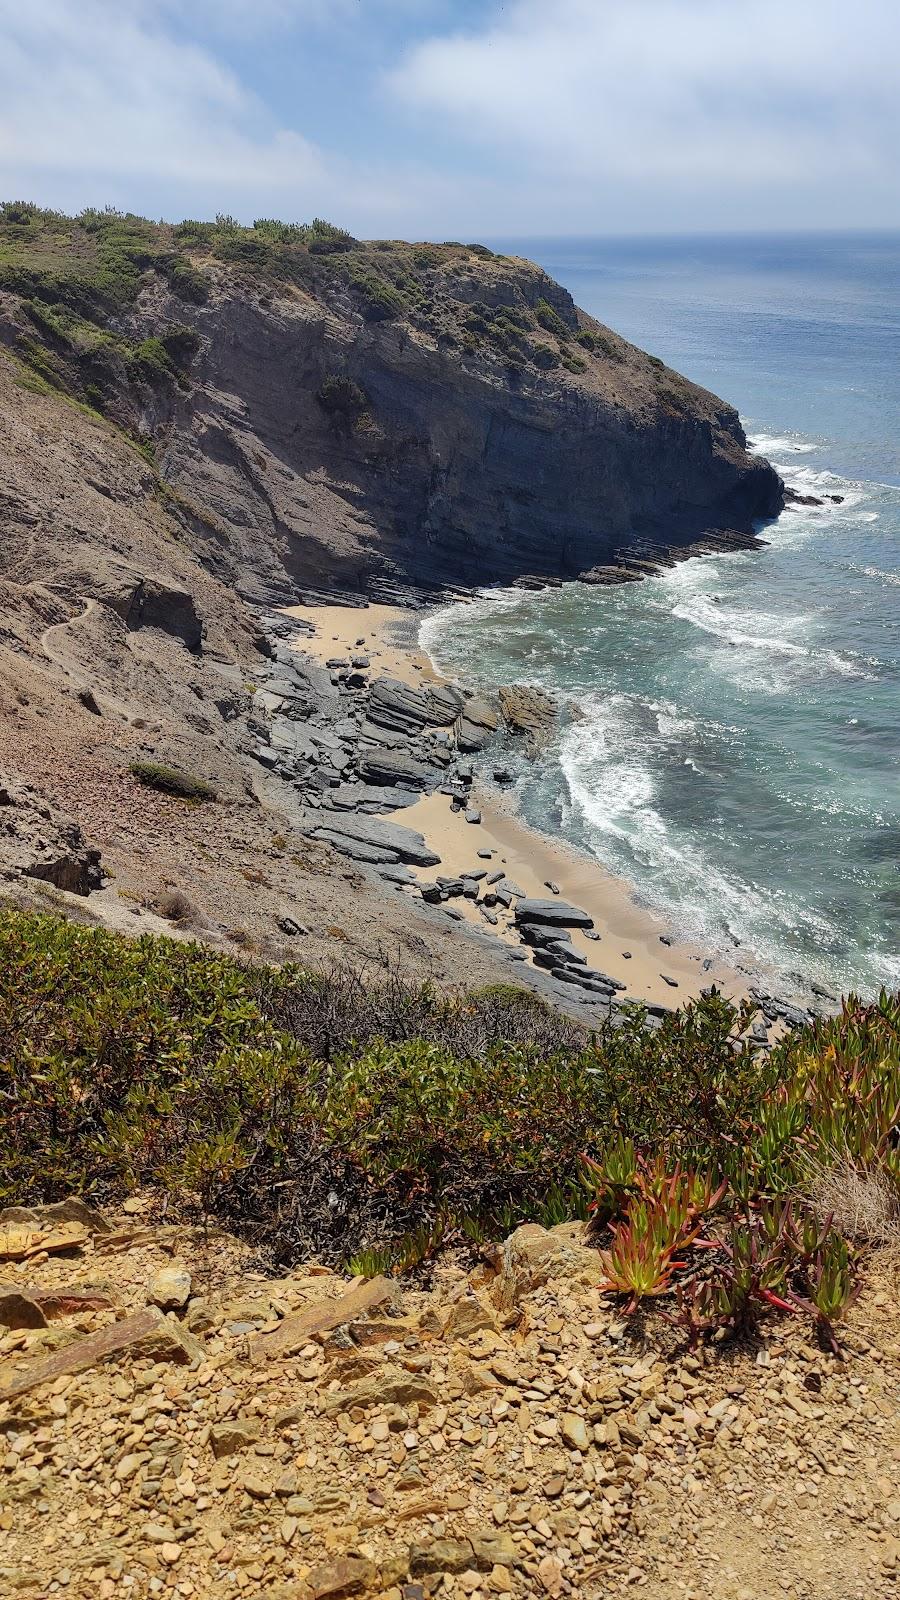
(355, 746)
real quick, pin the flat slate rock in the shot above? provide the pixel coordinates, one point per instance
(400, 706)
(376, 855)
(395, 766)
(350, 795)
(553, 912)
(406, 843)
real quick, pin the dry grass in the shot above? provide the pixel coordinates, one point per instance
(863, 1202)
(176, 906)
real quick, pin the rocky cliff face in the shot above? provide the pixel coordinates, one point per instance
(424, 414)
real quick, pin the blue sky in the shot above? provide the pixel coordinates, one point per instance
(448, 118)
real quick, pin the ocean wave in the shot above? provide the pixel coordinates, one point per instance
(611, 763)
(609, 769)
(891, 579)
(690, 590)
(764, 443)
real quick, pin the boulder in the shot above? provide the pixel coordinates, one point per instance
(533, 1256)
(552, 913)
(402, 844)
(395, 766)
(528, 711)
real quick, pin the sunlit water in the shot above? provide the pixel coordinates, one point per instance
(733, 746)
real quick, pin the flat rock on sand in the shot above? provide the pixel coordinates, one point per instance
(556, 913)
(397, 843)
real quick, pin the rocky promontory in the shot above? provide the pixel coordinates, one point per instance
(327, 411)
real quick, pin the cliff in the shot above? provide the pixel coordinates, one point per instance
(324, 412)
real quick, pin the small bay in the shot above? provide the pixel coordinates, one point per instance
(732, 742)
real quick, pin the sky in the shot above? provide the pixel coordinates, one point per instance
(459, 118)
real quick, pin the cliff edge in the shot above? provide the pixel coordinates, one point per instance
(325, 411)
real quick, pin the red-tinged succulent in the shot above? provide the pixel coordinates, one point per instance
(643, 1254)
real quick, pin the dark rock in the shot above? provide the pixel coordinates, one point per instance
(553, 912)
(399, 875)
(553, 887)
(291, 926)
(406, 844)
(89, 701)
(672, 982)
(512, 888)
(357, 849)
(473, 816)
(394, 766)
(469, 737)
(539, 937)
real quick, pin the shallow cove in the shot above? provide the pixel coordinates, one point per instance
(732, 743)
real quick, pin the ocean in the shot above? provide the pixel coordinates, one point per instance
(731, 736)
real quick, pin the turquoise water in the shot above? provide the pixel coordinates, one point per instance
(731, 741)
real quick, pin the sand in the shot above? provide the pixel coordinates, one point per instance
(373, 631)
(630, 947)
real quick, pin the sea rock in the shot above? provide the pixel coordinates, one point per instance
(529, 711)
(405, 709)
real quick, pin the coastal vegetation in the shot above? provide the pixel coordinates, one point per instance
(80, 276)
(185, 785)
(379, 1121)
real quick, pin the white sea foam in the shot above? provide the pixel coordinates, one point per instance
(609, 769)
(765, 443)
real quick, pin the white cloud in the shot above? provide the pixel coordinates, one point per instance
(559, 116)
(100, 92)
(686, 100)
(111, 102)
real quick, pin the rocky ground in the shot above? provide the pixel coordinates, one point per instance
(175, 1422)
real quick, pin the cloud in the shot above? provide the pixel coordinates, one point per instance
(101, 92)
(558, 116)
(113, 102)
(682, 100)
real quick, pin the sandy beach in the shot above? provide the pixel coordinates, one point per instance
(634, 946)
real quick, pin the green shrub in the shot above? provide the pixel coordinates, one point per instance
(390, 1116)
(550, 319)
(185, 280)
(341, 397)
(170, 781)
(151, 361)
(425, 257)
(324, 238)
(381, 302)
(544, 356)
(573, 363)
